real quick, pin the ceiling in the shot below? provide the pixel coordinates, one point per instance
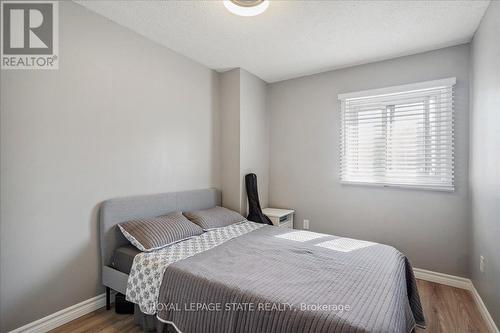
(297, 38)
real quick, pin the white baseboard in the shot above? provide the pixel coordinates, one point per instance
(76, 311)
(462, 283)
(64, 316)
(441, 278)
(484, 311)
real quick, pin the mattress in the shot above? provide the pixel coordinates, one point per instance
(251, 277)
(123, 258)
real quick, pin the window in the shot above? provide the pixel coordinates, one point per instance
(399, 136)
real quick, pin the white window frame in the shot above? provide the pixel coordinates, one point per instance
(434, 84)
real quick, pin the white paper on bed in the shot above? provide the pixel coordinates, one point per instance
(148, 268)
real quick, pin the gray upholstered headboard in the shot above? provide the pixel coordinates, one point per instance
(119, 210)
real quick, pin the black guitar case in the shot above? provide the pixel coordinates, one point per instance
(254, 210)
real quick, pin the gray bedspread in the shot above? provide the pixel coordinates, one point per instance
(281, 280)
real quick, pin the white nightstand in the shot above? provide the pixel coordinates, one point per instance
(280, 217)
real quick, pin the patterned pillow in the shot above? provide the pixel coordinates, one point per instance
(150, 234)
(213, 218)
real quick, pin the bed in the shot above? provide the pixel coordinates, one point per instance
(250, 277)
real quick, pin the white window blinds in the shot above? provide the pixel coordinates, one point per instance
(399, 136)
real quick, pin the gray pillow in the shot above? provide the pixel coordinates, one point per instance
(213, 218)
(150, 234)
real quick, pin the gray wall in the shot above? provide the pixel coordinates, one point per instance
(122, 116)
(245, 137)
(230, 125)
(125, 116)
(485, 159)
(254, 129)
(430, 227)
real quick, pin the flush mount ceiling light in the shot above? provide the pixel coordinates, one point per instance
(246, 7)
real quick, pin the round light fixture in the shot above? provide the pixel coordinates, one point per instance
(246, 7)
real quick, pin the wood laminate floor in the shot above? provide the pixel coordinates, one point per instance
(447, 310)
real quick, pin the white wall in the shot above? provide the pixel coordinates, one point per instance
(430, 227)
(122, 116)
(485, 159)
